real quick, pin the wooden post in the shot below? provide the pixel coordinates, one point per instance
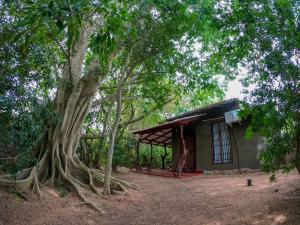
(182, 158)
(249, 182)
(137, 163)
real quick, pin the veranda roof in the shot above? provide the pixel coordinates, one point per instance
(162, 133)
(229, 103)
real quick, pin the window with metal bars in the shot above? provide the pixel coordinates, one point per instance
(221, 149)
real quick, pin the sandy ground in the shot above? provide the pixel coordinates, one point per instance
(207, 200)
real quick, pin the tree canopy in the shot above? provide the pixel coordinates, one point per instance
(68, 66)
(99, 68)
(261, 39)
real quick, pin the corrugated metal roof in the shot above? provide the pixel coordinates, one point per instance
(169, 124)
(162, 133)
(202, 109)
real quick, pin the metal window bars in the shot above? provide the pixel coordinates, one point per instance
(221, 148)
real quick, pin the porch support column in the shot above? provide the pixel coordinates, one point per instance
(137, 163)
(182, 157)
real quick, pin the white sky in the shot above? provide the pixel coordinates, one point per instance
(235, 87)
(234, 90)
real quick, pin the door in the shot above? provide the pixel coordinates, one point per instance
(190, 141)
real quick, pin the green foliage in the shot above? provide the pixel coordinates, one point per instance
(154, 48)
(25, 86)
(280, 136)
(274, 157)
(172, 51)
(263, 38)
(157, 152)
(24, 121)
(124, 154)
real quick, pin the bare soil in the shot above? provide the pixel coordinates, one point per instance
(207, 200)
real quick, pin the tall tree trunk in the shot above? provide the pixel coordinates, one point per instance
(107, 177)
(298, 142)
(103, 139)
(57, 156)
(298, 152)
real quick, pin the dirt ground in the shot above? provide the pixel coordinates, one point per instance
(207, 200)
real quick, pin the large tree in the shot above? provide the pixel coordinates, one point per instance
(154, 70)
(261, 39)
(81, 45)
(70, 26)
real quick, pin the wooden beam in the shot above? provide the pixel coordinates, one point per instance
(154, 141)
(154, 134)
(158, 137)
(166, 138)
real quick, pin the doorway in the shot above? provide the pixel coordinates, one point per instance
(190, 141)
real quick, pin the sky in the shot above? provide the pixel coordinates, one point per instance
(235, 87)
(234, 90)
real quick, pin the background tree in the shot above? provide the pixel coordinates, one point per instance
(155, 71)
(262, 39)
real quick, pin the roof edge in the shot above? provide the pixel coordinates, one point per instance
(203, 108)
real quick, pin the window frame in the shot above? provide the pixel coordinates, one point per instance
(214, 161)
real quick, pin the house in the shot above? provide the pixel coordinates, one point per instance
(208, 138)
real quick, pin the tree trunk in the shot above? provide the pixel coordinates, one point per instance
(163, 158)
(102, 140)
(107, 177)
(298, 142)
(298, 152)
(57, 156)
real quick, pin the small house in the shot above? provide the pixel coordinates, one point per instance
(208, 138)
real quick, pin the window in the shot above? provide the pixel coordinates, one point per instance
(221, 143)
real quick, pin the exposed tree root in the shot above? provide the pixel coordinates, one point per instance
(76, 175)
(36, 188)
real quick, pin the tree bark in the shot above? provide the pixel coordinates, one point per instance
(107, 177)
(298, 152)
(57, 156)
(102, 141)
(298, 141)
